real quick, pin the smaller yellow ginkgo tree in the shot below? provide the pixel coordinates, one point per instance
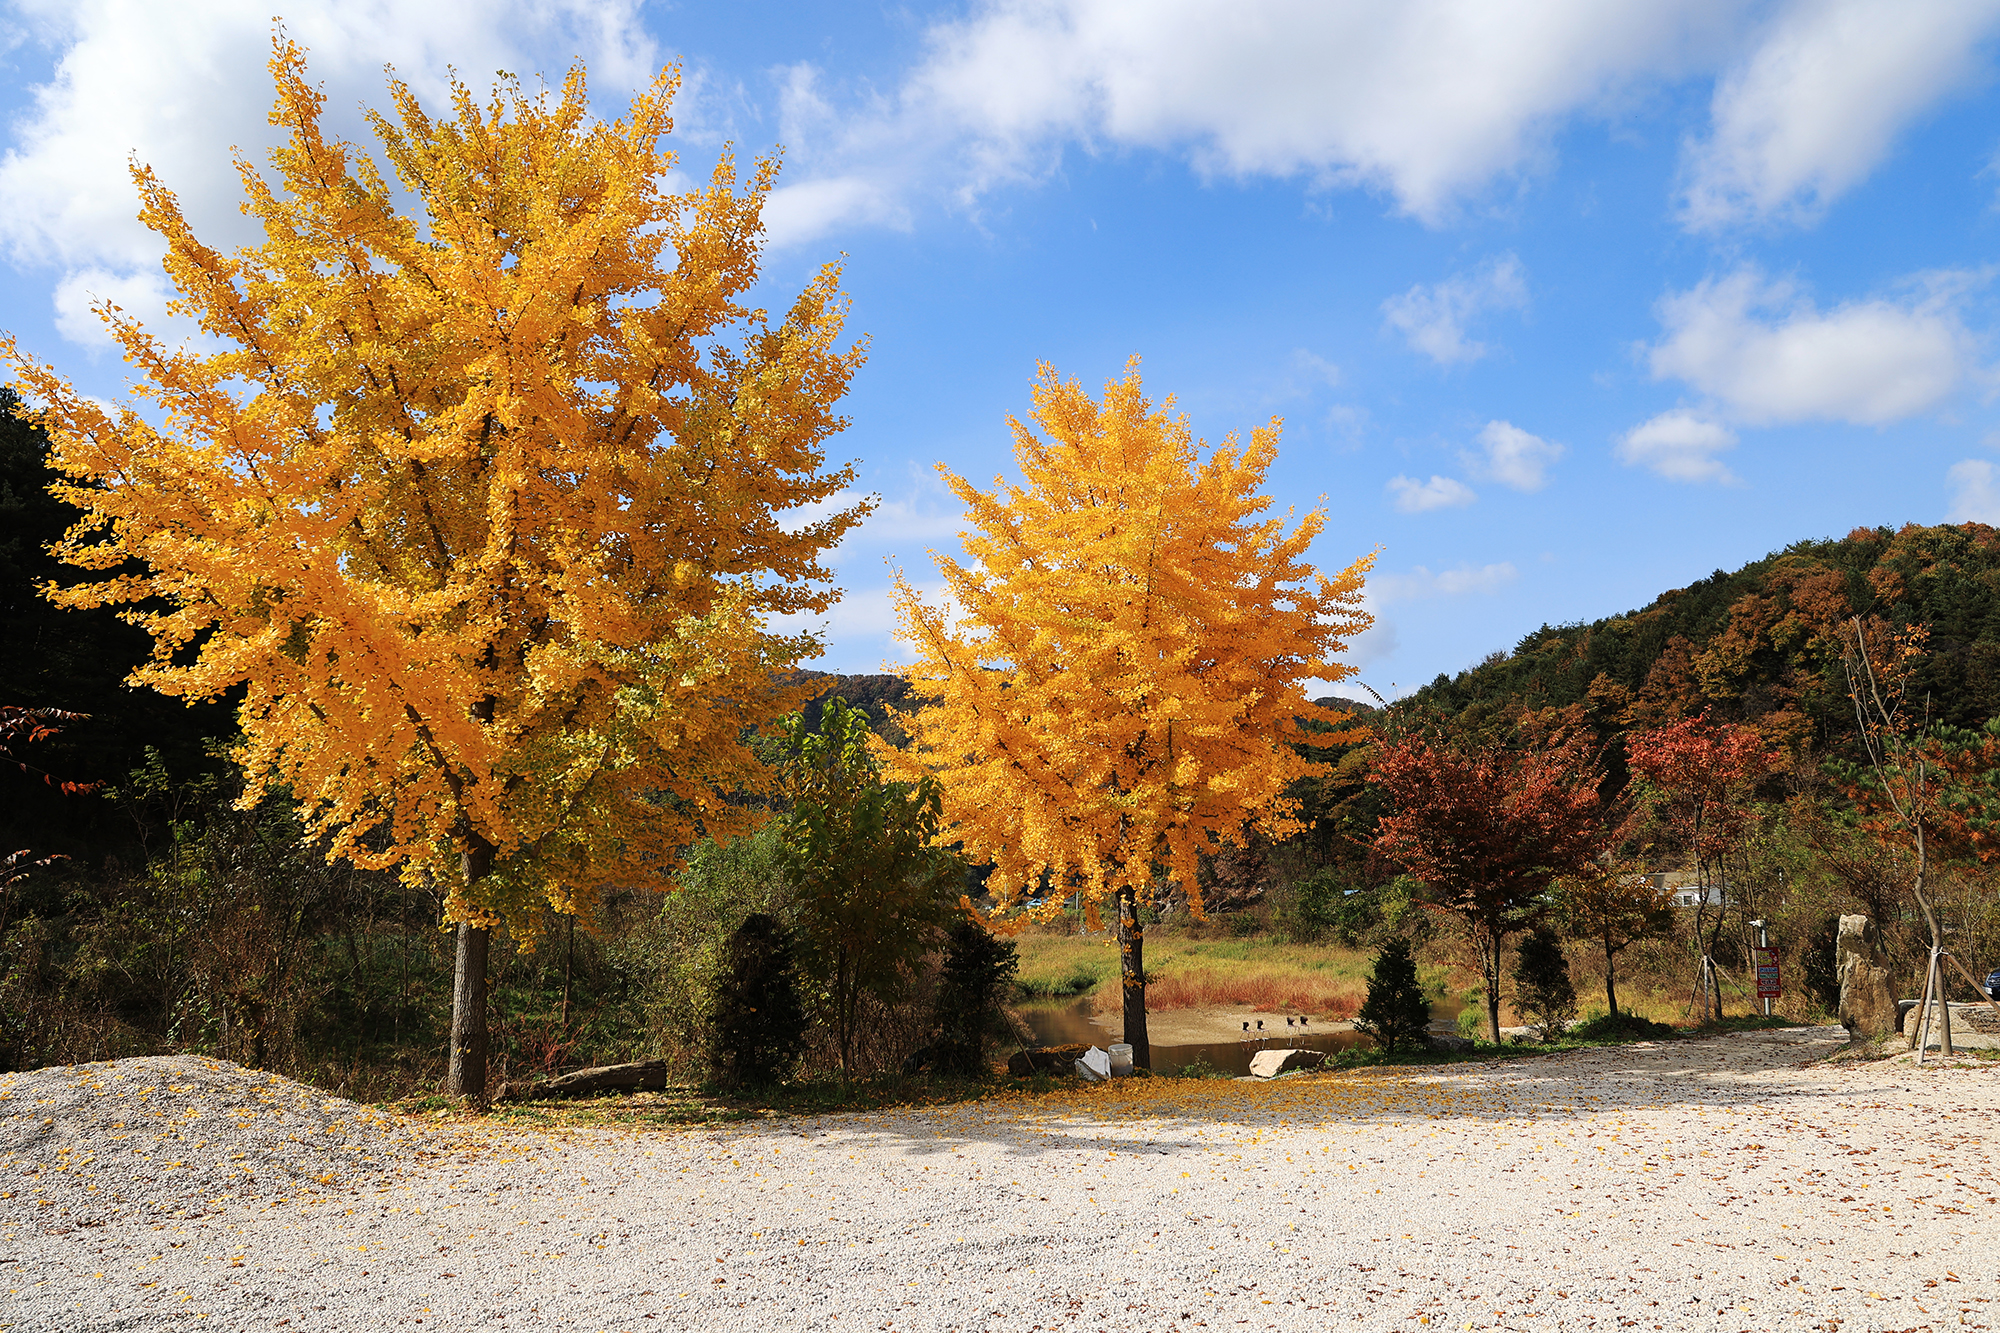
(1121, 687)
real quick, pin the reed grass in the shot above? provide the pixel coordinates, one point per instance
(1184, 973)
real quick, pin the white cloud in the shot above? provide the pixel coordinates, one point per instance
(1420, 583)
(1975, 492)
(1679, 445)
(176, 85)
(911, 521)
(863, 629)
(1370, 646)
(141, 296)
(1380, 640)
(1312, 371)
(1819, 102)
(1515, 458)
(1346, 423)
(1765, 351)
(1433, 317)
(1428, 102)
(1416, 497)
(926, 511)
(797, 213)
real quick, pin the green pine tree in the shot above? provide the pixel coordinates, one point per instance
(757, 1014)
(978, 970)
(1543, 995)
(1395, 1013)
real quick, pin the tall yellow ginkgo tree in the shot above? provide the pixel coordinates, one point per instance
(1120, 686)
(482, 495)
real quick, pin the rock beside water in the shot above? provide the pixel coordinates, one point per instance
(1270, 1064)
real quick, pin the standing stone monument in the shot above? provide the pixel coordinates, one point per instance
(1867, 1009)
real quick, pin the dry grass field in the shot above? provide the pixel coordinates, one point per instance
(1205, 970)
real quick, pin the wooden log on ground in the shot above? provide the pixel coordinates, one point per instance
(638, 1076)
(1046, 1059)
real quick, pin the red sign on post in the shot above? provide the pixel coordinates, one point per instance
(1767, 974)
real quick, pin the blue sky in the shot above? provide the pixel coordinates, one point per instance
(1562, 304)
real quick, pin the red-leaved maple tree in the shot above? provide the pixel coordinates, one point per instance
(1487, 830)
(1698, 776)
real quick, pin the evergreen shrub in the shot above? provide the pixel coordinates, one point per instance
(978, 970)
(1396, 1011)
(757, 1018)
(1543, 995)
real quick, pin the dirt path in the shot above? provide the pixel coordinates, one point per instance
(1727, 1184)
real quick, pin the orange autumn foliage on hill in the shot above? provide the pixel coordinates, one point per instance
(484, 503)
(1759, 645)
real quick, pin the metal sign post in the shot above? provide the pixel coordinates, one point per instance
(1769, 982)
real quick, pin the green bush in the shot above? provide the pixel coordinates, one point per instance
(1331, 905)
(1320, 908)
(680, 952)
(872, 891)
(1396, 1011)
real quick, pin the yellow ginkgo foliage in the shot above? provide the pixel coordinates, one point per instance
(1120, 685)
(479, 487)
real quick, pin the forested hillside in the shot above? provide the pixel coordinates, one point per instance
(1758, 645)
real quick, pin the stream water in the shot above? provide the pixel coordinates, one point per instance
(1053, 1026)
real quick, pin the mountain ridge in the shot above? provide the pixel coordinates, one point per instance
(1759, 645)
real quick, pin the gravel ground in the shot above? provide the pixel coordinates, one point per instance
(1724, 1184)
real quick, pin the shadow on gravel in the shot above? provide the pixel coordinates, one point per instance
(1170, 1115)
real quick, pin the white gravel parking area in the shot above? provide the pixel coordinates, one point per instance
(1729, 1184)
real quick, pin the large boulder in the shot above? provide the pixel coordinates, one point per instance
(1270, 1064)
(1045, 1059)
(1867, 1009)
(1447, 1041)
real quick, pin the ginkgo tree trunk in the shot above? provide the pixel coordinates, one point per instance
(1120, 685)
(483, 502)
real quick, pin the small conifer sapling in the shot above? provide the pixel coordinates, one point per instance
(758, 1017)
(1543, 995)
(978, 970)
(1395, 1013)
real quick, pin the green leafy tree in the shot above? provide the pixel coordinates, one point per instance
(1395, 1012)
(1543, 994)
(758, 1017)
(872, 893)
(1318, 905)
(682, 949)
